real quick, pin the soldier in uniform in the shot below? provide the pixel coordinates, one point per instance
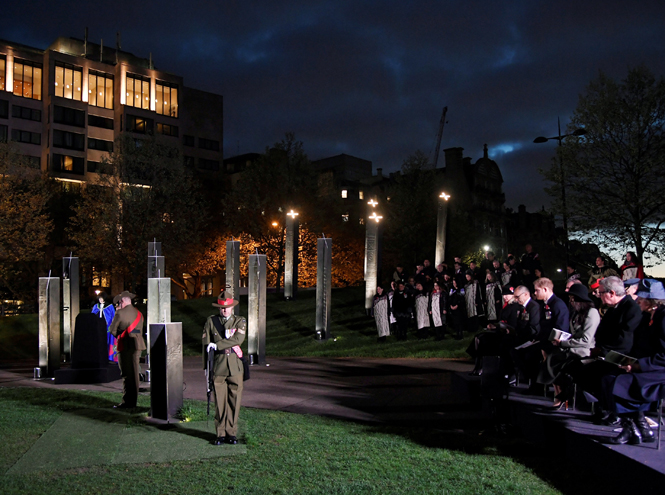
(127, 327)
(224, 333)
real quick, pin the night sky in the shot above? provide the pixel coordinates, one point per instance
(370, 79)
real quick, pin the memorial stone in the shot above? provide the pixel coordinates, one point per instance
(49, 326)
(323, 287)
(256, 311)
(166, 383)
(233, 268)
(70, 303)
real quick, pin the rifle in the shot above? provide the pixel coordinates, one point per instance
(210, 364)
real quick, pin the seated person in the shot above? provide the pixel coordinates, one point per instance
(583, 324)
(631, 392)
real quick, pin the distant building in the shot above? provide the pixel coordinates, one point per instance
(65, 106)
(477, 188)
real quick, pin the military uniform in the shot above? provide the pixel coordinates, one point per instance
(130, 346)
(228, 370)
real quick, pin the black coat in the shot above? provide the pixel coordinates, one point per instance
(402, 304)
(615, 332)
(646, 385)
(553, 314)
(528, 322)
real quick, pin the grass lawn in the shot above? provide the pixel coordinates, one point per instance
(286, 453)
(290, 330)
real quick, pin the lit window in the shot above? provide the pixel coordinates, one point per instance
(28, 79)
(361, 221)
(344, 193)
(100, 89)
(166, 99)
(361, 195)
(138, 92)
(68, 81)
(3, 68)
(345, 218)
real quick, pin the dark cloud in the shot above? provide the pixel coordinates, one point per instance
(371, 78)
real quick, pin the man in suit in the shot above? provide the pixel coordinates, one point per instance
(127, 327)
(224, 333)
(553, 314)
(528, 328)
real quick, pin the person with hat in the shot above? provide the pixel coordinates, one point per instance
(224, 333)
(127, 327)
(584, 322)
(631, 286)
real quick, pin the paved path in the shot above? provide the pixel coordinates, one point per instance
(373, 390)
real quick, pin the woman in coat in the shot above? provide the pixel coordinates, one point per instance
(438, 310)
(457, 309)
(381, 309)
(421, 306)
(493, 301)
(584, 321)
(474, 302)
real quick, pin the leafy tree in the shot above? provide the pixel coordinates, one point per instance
(149, 195)
(280, 180)
(25, 225)
(410, 226)
(615, 174)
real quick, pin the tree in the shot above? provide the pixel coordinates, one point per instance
(149, 194)
(25, 226)
(614, 176)
(280, 180)
(410, 226)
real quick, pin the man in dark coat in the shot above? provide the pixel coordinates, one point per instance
(615, 333)
(553, 314)
(127, 327)
(402, 309)
(224, 333)
(528, 328)
(643, 382)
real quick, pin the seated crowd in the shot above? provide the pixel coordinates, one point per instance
(607, 339)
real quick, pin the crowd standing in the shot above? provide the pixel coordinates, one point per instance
(606, 338)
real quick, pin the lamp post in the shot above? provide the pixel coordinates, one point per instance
(441, 223)
(372, 256)
(560, 138)
(291, 256)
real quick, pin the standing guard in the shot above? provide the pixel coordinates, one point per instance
(224, 333)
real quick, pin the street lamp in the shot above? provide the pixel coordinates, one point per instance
(560, 138)
(373, 203)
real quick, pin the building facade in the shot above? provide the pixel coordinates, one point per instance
(65, 106)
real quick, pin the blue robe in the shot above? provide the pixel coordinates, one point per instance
(108, 312)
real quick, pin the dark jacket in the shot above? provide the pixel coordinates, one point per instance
(402, 304)
(646, 385)
(553, 314)
(615, 332)
(528, 322)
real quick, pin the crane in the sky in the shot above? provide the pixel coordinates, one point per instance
(438, 137)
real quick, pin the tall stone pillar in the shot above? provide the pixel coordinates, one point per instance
(167, 370)
(49, 326)
(371, 260)
(155, 260)
(323, 287)
(70, 303)
(291, 256)
(256, 311)
(441, 225)
(233, 268)
(159, 300)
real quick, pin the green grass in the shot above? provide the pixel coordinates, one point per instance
(290, 330)
(286, 453)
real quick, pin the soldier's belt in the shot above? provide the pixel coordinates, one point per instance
(224, 351)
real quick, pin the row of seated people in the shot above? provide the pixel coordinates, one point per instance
(618, 358)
